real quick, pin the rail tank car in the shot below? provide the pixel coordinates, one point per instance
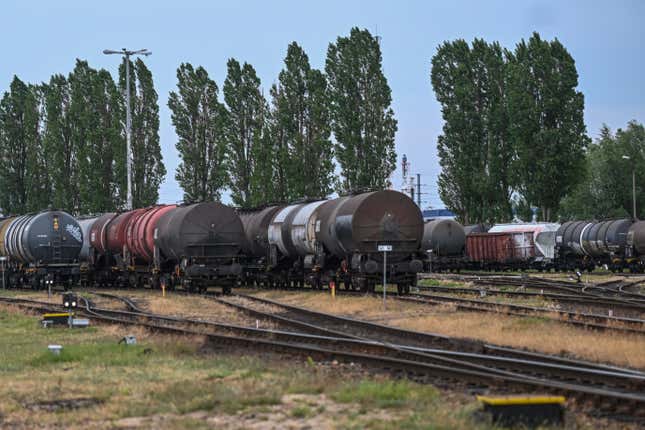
(635, 247)
(201, 245)
(443, 245)
(351, 228)
(570, 253)
(256, 229)
(98, 233)
(316, 242)
(140, 232)
(605, 242)
(42, 247)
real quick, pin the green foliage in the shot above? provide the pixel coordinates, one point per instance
(475, 147)
(363, 120)
(199, 118)
(546, 122)
(249, 148)
(513, 130)
(606, 189)
(98, 141)
(23, 183)
(148, 170)
(60, 149)
(303, 127)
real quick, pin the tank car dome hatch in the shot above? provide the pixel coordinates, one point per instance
(208, 229)
(444, 237)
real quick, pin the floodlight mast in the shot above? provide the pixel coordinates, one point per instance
(128, 116)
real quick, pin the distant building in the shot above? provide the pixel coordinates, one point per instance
(430, 214)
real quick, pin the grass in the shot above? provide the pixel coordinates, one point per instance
(176, 383)
(174, 378)
(386, 394)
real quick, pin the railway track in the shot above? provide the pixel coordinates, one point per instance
(557, 297)
(617, 393)
(600, 290)
(580, 319)
(387, 334)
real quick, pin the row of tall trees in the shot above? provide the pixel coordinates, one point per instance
(513, 127)
(62, 143)
(606, 187)
(281, 149)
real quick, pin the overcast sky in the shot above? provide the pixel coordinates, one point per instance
(39, 38)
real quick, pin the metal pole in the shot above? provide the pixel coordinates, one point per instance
(128, 125)
(3, 284)
(419, 189)
(634, 191)
(384, 276)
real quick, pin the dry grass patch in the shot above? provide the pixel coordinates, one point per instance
(536, 333)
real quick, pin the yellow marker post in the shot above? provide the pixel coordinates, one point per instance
(332, 288)
(163, 290)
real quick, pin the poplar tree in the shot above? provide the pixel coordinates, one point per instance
(279, 152)
(302, 113)
(546, 122)
(250, 170)
(198, 118)
(95, 113)
(60, 148)
(363, 120)
(23, 187)
(148, 170)
(475, 148)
